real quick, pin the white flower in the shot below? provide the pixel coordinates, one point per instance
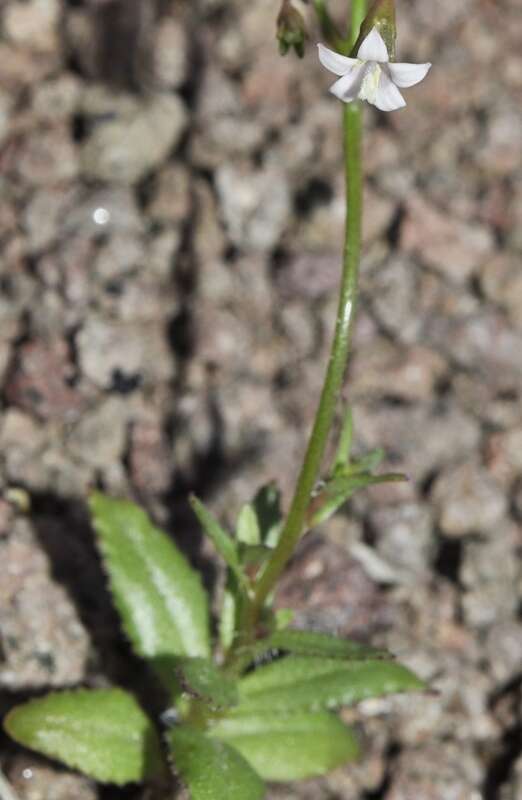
(371, 76)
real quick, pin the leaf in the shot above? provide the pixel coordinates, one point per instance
(223, 543)
(211, 769)
(247, 529)
(101, 732)
(158, 595)
(369, 462)
(282, 748)
(201, 677)
(339, 489)
(315, 643)
(297, 682)
(309, 643)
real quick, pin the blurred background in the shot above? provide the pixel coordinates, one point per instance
(171, 222)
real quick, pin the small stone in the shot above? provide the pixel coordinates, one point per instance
(170, 54)
(309, 275)
(453, 247)
(446, 434)
(255, 205)
(56, 99)
(128, 145)
(48, 157)
(121, 254)
(437, 771)
(41, 381)
(122, 355)
(500, 154)
(34, 780)
(484, 342)
(161, 254)
(105, 211)
(394, 297)
(405, 538)
(491, 574)
(469, 500)
(503, 455)
(23, 67)
(384, 369)
(222, 130)
(150, 460)
(33, 24)
(138, 299)
(43, 640)
(501, 281)
(99, 437)
(504, 650)
(209, 239)
(44, 215)
(171, 198)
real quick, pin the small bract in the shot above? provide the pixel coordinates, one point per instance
(371, 76)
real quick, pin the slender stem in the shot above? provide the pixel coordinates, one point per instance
(294, 525)
(6, 790)
(358, 15)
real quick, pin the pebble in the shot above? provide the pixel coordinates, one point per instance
(255, 205)
(133, 139)
(468, 500)
(114, 354)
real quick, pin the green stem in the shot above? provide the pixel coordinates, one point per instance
(295, 522)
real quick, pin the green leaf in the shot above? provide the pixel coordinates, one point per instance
(103, 733)
(158, 595)
(211, 769)
(338, 490)
(223, 543)
(282, 748)
(201, 677)
(297, 682)
(309, 643)
(369, 462)
(247, 529)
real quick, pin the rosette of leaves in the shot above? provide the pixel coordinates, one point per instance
(241, 712)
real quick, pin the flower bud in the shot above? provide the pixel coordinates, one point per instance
(382, 17)
(291, 29)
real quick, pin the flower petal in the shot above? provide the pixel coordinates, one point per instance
(335, 62)
(405, 75)
(373, 48)
(348, 87)
(388, 96)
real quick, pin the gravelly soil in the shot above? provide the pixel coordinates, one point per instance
(171, 214)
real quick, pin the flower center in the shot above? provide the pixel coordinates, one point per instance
(370, 81)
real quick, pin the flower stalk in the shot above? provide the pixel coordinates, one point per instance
(295, 523)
